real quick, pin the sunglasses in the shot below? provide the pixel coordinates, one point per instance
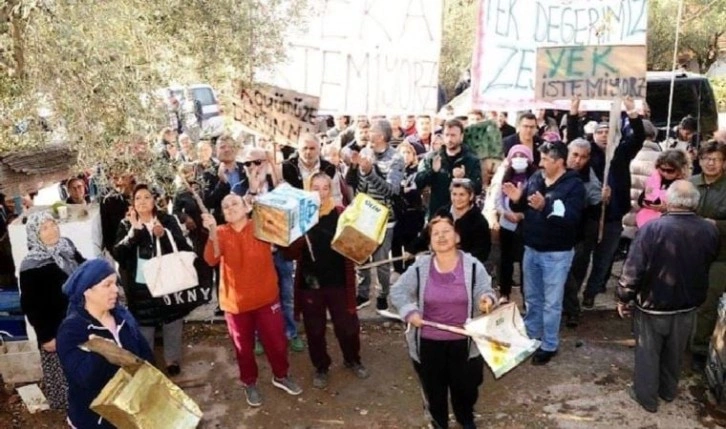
(257, 162)
(667, 170)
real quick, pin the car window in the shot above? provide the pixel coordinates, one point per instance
(205, 96)
(686, 96)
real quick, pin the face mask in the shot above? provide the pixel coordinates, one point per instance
(520, 164)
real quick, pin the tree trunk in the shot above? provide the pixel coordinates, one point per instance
(18, 25)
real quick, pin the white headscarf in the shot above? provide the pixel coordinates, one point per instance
(40, 254)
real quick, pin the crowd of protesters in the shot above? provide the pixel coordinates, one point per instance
(557, 205)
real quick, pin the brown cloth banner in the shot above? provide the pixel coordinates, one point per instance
(277, 113)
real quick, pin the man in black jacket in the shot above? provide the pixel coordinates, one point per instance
(301, 166)
(526, 135)
(666, 274)
(552, 201)
(616, 192)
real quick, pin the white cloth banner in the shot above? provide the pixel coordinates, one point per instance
(365, 57)
(510, 31)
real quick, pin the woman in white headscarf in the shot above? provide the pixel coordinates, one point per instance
(51, 259)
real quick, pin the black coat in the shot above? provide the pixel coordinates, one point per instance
(113, 210)
(42, 299)
(147, 310)
(474, 235)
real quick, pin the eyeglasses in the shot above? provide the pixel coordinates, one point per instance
(256, 162)
(667, 170)
(711, 159)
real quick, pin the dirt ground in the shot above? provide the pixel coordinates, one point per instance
(583, 387)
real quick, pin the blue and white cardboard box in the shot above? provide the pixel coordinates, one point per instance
(285, 214)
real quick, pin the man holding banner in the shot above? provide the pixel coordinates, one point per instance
(616, 193)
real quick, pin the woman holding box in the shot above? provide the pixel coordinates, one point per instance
(325, 281)
(446, 287)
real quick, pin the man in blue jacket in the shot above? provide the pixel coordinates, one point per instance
(552, 201)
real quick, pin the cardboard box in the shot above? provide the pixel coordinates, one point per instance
(285, 214)
(361, 229)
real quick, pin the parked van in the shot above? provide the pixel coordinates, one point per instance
(212, 120)
(692, 95)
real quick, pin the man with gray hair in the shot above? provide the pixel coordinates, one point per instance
(377, 173)
(578, 160)
(666, 277)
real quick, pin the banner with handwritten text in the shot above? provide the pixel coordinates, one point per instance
(374, 57)
(590, 72)
(277, 113)
(510, 31)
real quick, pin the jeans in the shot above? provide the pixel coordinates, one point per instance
(284, 282)
(383, 271)
(545, 274)
(602, 258)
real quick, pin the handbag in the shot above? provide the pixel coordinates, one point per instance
(170, 273)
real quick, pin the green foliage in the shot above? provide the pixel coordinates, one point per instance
(93, 64)
(457, 44)
(719, 91)
(701, 27)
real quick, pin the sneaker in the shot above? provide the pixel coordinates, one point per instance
(361, 302)
(588, 301)
(296, 344)
(287, 385)
(253, 396)
(572, 321)
(258, 348)
(358, 369)
(542, 357)
(381, 303)
(320, 379)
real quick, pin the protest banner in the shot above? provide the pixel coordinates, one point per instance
(510, 31)
(590, 72)
(280, 114)
(365, 57)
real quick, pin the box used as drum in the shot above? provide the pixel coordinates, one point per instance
(285, 214)
(361, 229)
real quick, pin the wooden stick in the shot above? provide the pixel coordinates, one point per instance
(613, 141)
(462, 331)
(204, 210)
(383, 262)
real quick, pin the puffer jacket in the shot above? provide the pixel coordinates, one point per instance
(640, 169)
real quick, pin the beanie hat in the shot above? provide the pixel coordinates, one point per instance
(522, 149)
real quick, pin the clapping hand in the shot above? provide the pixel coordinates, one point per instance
(514, 193)
(536, 201)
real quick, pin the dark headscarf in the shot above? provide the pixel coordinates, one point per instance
(89, 274)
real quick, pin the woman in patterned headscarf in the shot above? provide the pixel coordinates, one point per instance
(51, 259)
